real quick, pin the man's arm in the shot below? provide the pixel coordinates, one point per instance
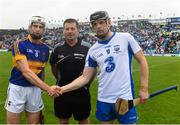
(144, 74)
(85, 78)
(33, 78)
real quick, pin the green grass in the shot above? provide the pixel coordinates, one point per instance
(163, 109)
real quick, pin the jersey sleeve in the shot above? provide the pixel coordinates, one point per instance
(133, 44)
(19, 51)
(90, 61)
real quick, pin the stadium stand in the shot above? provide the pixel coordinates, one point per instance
(153, 36)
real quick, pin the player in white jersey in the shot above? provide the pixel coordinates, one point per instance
(112, 54)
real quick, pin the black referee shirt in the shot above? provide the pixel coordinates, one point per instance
(69, 61)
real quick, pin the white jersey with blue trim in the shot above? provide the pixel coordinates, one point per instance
(113, 58)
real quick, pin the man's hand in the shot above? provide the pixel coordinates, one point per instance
(54, 91)
(143, 94)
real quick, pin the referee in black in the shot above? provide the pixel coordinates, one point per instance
(67, 62)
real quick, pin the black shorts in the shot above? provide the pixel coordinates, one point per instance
(76, 103)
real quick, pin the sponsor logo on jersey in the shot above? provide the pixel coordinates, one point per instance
(9, 103)
(60, 56)
(99, 55)
(29, 51)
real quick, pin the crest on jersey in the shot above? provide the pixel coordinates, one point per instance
(117, 48)
(36, 53)
(9, 103)
(108, 51)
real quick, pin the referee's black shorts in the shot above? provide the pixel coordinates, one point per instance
(76, 103)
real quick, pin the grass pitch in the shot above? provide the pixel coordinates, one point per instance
(163, 109)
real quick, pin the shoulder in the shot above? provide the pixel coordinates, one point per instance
(23, 39)
(46, 47)
(94, 47)
(20, 42)
(59, 45)
(123, 34)
(85, 44)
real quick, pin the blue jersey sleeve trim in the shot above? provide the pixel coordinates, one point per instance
(91, 62)
(130, 54)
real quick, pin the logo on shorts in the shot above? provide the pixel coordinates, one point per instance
(40, 106)
(132, 117)
(9, 103)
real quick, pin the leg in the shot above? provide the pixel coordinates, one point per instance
(13, 118)
(128, 118)
(105, 112)
(84, 121)
(33, 117)
(82, 107)
(107, 122)
(63, 121)
(14, 103)
(41, 118)
(34, 105)
(62, 110)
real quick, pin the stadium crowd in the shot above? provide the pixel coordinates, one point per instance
(154, 39)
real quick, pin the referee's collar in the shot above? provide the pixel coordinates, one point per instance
(78, 42)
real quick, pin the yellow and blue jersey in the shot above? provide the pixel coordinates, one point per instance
(37, 56)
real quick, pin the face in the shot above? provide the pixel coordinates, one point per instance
(36, 30)
(70, 31)
(101, 28)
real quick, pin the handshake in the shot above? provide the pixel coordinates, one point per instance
(54, 91)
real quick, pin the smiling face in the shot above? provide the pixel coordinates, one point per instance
(70, 31)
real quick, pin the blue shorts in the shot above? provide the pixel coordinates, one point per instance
(106, 112)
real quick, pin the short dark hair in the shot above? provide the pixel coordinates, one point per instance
(71, 20)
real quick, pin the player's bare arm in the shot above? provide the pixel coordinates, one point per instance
(144, 73)
(85, 78)
(32, 77)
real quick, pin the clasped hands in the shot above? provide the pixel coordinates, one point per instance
(55, 91)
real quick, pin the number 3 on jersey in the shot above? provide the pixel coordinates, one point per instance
(110, 64)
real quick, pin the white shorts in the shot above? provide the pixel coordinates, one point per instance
(21, 98)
